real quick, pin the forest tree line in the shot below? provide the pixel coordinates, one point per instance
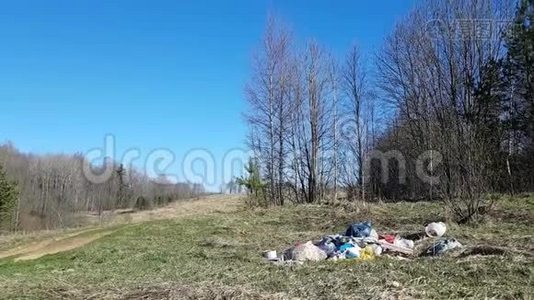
(51, 191)
(450, 94)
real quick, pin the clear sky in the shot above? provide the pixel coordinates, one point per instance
(152, 73)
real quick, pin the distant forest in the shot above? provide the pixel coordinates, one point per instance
(51, 191)
(445, 112)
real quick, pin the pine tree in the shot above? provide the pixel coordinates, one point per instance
(123, 188)
(252, 182)
(8, 201)
(519, 90)
(520, 63)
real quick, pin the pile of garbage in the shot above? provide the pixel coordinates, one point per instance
(361, 242)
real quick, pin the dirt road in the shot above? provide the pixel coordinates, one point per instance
(59, 241)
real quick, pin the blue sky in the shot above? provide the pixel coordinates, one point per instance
(152, 73)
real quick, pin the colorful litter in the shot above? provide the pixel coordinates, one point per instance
(361, 242)
(442, 246)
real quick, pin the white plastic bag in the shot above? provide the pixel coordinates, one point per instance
(436, 229)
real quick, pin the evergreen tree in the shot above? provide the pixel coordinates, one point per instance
(485, 118)
(124, 192)
(252, 182)
(519, 65)
(518, 69)
(8, 201)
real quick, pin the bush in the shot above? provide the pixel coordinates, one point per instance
(143, 203)
(8, 201)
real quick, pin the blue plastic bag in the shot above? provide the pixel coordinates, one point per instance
(442, 246)
(359, 230)
(327, 246)
(345, 247)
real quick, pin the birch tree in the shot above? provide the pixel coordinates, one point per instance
(267, 96)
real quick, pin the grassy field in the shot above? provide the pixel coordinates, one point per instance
(218, 256)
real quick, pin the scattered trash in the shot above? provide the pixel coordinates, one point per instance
(359, 230)
(376, 248)
(338, 256)
(390, 238)
(346, 247)
(373, 234)
(362, 242)
(339, 240)
(367, 253)
(436, 229)
(270, 255)
(353, 252)
(392, 248)
(442, 246)
(328, 246)
(403, 243)
(306, 252)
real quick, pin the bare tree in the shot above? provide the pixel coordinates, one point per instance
(336, 139)
(315, 128)
(432, 79)
(354, 84)
(267, 95)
